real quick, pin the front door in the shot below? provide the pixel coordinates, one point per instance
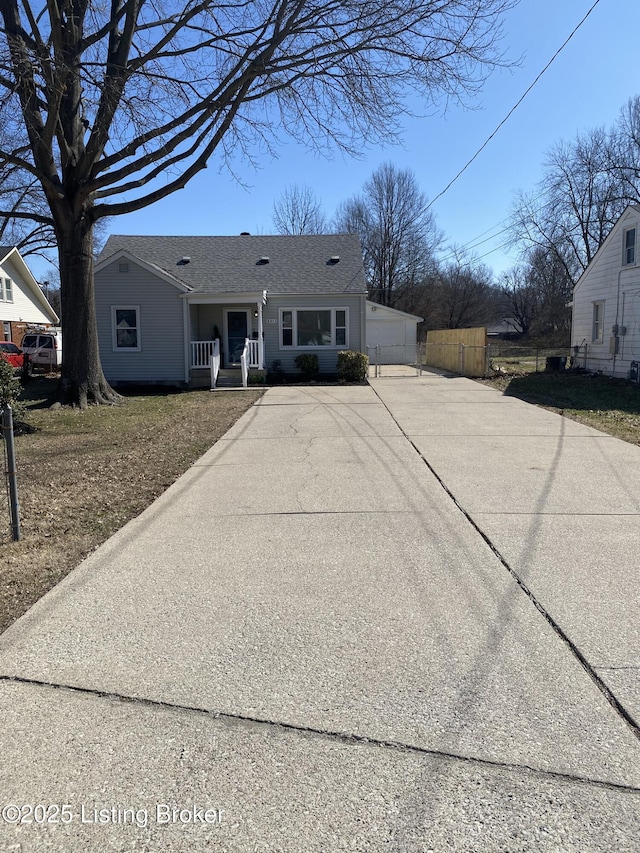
(237, 332)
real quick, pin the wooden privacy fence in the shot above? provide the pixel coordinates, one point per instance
(462, 351)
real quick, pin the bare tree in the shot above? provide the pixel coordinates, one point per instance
(420, 298)
(535, 297)
(586, 186)
(50, 286)
(298, 211)
(464, 295)
(520, 301)
(20, 196)
(625, 149)
(397, 229)
(116, 106)
(549, 277)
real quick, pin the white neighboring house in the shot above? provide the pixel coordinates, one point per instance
(395, 332)
(22, 303)
(606, 302)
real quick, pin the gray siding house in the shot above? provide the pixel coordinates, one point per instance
(605, 329)
(162, 302)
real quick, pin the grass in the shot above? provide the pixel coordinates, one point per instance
(514, 359)
(512, 364)
(82, 475)
(610, 405)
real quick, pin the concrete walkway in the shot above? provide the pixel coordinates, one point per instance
(401, 617)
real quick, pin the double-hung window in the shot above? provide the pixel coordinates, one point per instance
(304, 328)
(6, 290)
(597, 329)
(125, 328)
(629, 257)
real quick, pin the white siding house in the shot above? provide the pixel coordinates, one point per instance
(161, 302)
(605, 325)
(22, 303)
(394, 332)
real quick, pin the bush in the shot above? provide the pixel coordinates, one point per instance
(352, 366)
(308, 364)
(10, 389)
(276, 375)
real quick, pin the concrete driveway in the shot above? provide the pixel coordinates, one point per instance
(400, 617)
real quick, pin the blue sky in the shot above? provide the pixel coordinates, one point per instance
(586, 86)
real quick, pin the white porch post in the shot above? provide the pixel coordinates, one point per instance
(260, 338)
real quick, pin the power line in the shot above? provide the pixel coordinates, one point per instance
(515, 107)
(477, 241)
(473, 244)
(475, 260)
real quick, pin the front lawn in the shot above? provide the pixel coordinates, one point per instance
(610, 405)
(82, 475)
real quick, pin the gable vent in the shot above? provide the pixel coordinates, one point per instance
(123, 267)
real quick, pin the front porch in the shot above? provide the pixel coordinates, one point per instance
(226, 339)
(206, 371)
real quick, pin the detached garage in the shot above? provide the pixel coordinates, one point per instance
(395, 332)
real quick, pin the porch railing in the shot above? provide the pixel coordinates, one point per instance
(214, 363)
(254, 355)
(244, 363)
(201, 352)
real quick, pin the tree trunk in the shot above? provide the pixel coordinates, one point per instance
(82, 380)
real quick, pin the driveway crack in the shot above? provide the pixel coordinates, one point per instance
(575, 651)
(347, 738)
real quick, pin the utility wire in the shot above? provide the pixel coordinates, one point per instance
(477, 241)
(515, 107)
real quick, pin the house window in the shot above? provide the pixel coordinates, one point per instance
(6, 290)
(305, 328)
(287, 328)
(629, 247)
(125, 326)
(597, 332)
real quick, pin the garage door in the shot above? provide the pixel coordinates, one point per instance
(389, 336)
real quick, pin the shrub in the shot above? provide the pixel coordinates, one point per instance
(276, 375)
(10, 389)
(352, 366)
(308, 364)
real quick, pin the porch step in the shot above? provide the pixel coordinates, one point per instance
(228, 377)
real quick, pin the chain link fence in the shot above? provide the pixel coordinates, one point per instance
(469, 360)
(505, 357)
(394, 360)
(495, 357)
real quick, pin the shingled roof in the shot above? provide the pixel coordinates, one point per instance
(316, 263)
